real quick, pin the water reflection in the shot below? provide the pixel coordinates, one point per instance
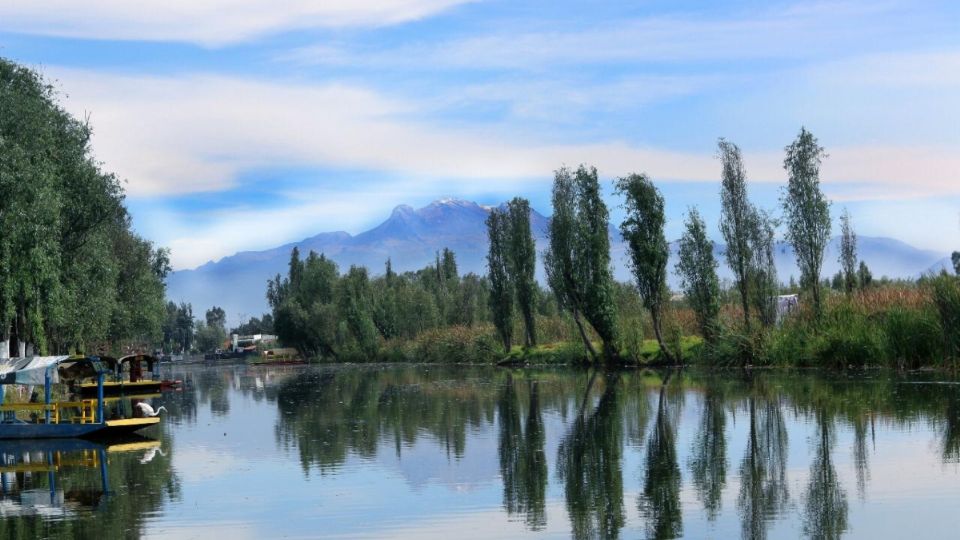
(523, 465)
(70, 488)
(659, 502)
(366, 451)
(589, 465)
(763, 471)
(825, 507)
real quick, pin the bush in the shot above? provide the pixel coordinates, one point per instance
(946, 296)
(912, 336)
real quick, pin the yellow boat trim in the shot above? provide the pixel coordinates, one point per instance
(133, 447)
(133, 422)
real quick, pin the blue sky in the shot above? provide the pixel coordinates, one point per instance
(246, 124)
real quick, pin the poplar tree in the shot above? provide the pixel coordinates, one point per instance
(578, 259)
(735, 216)
(501, 280)
(522, 262)
(807, 211)
(848, 252)
(762, 269)
(697, 268)
(642, 229)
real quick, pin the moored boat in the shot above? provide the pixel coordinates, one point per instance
(128, 376)
(60, 419)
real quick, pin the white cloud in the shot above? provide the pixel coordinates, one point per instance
(198, 133)
(206, 22)
(794, 32)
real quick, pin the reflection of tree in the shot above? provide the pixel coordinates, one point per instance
(825, 507)
(588, 461)
(522, 462)
(325, 415)
(763, 484)
(708, 462)
(951, 430)
(660, 500)
(861, 455)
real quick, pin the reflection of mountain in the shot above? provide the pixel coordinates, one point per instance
(411, 238)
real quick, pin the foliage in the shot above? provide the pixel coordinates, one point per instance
(578, 259)
(73, 275)
(697, 268)
(500, 275)
(807, 212)
(522, 262)
(848, 252)
(642, 229)
(762, 270)
(735, 217)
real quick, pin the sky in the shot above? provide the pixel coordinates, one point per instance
(245, 124)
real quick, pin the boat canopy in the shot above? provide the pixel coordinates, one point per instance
(34, 369)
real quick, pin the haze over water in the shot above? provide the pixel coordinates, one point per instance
(430, 452)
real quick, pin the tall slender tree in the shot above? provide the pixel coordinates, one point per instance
(697, 268)
(501, 280)
(642, 229)
(807, 211)
(735, 216)
(578, 259)
(522, 258)
(848, 252)
(764, 284)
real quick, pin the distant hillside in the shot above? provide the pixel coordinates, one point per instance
(411, 238)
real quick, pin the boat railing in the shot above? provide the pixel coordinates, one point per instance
(87, 408)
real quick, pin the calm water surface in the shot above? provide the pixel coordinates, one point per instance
(429, 452)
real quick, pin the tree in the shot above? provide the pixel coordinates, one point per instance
(578, 259)
(522, 258)
(501, 279)
(762, 272)
(642, 229)
(807, 211)
(697, 268)
(735, 215)
(955, 259)
(848, 252)
(864, 276)
(215, 316)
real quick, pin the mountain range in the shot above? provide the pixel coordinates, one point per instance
(411, 237)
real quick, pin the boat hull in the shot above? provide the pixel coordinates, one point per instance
(75, 431)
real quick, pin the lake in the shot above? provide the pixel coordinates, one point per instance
(425, 452)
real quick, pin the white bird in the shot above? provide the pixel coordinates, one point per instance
(150, 454)
(147, 410)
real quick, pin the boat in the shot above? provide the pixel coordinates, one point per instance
(127, 377)
(60, 419)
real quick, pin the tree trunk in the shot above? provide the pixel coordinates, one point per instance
(655, 318)
(583, 335)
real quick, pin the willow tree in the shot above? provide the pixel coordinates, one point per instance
(642, 229)
(807, 211)
(578, 259)
(848, 252)
(735, 219)
(501, 280)
(697, 268)
(522, 262)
